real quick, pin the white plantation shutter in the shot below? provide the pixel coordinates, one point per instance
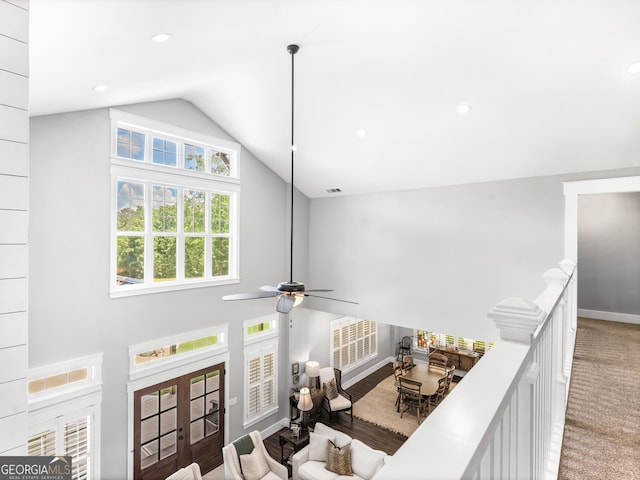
(76, 444)
(262, 398)
(42, 444)
(268, 376)
(254, 385)
(352, 341)
(66, 435)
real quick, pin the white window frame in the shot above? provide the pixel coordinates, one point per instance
(260, 344)
(352, 363)
(142, 370)
(149, 174)
(54, 408)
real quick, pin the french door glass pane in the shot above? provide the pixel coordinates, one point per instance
(149, 454)
(197, 430)
(168, 445)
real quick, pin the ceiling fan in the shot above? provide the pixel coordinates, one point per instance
(289, 293)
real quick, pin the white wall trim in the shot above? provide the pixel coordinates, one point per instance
(611, 316)
(367, 372)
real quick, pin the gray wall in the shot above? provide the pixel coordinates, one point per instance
(438, 258)
(609, 252)
(71, 312)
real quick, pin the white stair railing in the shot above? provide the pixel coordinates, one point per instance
(506, 418)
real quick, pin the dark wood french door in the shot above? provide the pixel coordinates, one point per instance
(178, 422)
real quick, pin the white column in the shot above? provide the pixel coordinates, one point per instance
(14, 201)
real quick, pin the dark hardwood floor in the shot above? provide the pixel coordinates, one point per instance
(372, 435)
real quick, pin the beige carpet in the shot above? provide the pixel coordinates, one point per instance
(378, 407)
(602, 425)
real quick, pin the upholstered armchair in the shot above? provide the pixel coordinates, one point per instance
(190, 472)
(336, 399)
(252, 464)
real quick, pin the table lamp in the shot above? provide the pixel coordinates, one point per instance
(312, 370)
(304, 405)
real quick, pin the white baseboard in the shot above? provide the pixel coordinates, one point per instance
(367, 372)
(611, 316)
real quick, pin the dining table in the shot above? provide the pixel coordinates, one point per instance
(427, 375)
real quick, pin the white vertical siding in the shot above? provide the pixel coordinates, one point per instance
(14, 205)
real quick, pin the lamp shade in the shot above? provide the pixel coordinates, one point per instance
(305, 403)
(312, 369)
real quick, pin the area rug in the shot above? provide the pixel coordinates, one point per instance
(379, 407)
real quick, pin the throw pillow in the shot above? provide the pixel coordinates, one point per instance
(365, 461)
(330, 389)
(254, 465)
(339, 459)
(318, 446)
(244, 445)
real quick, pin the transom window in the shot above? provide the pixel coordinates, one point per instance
(174, 210)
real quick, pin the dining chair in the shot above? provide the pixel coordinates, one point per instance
(450, 372)
(411, 397)
(437, 397)
(397, 373)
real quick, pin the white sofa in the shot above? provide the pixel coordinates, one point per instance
(307, 464)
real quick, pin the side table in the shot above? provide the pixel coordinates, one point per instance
(297, 443)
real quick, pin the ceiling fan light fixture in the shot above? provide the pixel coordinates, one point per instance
(285, 303)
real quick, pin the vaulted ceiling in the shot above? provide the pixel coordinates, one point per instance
(547, 81)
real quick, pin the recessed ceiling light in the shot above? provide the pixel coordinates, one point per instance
(361, 132)
(99, 88)
(161, 37)
(634, 68)
(464, 108)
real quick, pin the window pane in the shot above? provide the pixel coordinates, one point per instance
(220, 163)
(193, 158)
(130, 266)
(130, 207)
(164, 259)
(164, 152)
(219, 256)
(219, 213)
(130, 144)
(164, 209)
(149, 454)
(197, 430)
(194, 211)
(194, 257)
(168, 445)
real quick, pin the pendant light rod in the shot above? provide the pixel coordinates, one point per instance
(292, 49)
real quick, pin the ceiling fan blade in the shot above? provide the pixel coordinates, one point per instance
(319, 290)
(268, 288)
(250, 296)
(330, 298)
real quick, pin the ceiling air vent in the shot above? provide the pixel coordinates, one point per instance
(333, 190)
